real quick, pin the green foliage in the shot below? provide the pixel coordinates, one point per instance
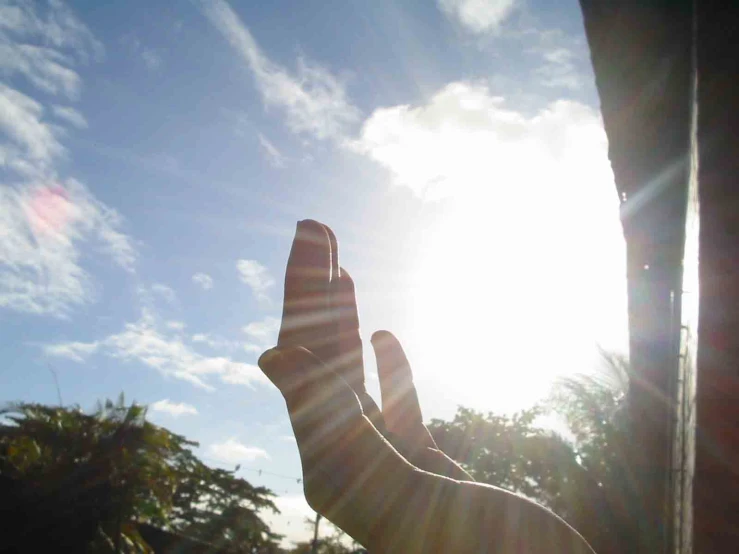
(120, 469)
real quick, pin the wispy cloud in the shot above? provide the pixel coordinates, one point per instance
(164, 350)
(63, 41)
(71, 116)
(478, 16)
(151, 58)
(164, 291)
(559, 70)
(313, 100)
(174, 409)
(45, 220)
(235, 452)
(76, 351)
(31, 144)
(274, 156)
(256, 276)
(204, 280)
(43, 229)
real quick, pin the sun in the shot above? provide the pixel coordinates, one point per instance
(504, 301)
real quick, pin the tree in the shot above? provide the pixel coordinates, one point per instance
(581, 473)
(107, 471)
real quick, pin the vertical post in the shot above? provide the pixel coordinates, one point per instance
(314, 546)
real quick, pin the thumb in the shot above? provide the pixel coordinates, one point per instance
(304, 380)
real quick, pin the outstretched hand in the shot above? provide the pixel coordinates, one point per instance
(378, 474)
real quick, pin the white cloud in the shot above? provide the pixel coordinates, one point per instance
(465, 141)
(478, 16)
(76, 351)
(165, 292)
(45, 220)
(559, 70)
(256, 276)
(294, 508)
(274, 156)
(313, 100)
(31, 140)
(204, 280)
(62, 42)
(144, 342)
(215, 342)
(234, 452)
(175, 409)
(176, 325)
(261, 334)
(71, 116)
(44, 67)
(42, 229)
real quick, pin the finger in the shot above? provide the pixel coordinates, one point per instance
(400, 407)
(350, 361)
(306, 316)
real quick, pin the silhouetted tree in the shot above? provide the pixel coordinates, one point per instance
(88, 479)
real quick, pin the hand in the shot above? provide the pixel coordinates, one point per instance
(378, 475)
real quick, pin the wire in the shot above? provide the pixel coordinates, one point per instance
(298, 480)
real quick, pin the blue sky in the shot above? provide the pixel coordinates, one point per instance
(156, 157)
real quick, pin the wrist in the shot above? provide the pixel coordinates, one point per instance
(414, 516)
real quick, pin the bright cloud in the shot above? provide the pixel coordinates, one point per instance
(543, 179)
(292, 508)
(234, 452)
(261, 334)
(313, 100)
(478, 16)
(164, 350)
(256, 276)
(42, 229)
(174, 409)
(465, 140)
(32, 144)
(204, 280)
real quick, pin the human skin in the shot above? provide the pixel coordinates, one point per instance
(378, 474)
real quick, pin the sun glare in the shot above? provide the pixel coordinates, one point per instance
(522, 284)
